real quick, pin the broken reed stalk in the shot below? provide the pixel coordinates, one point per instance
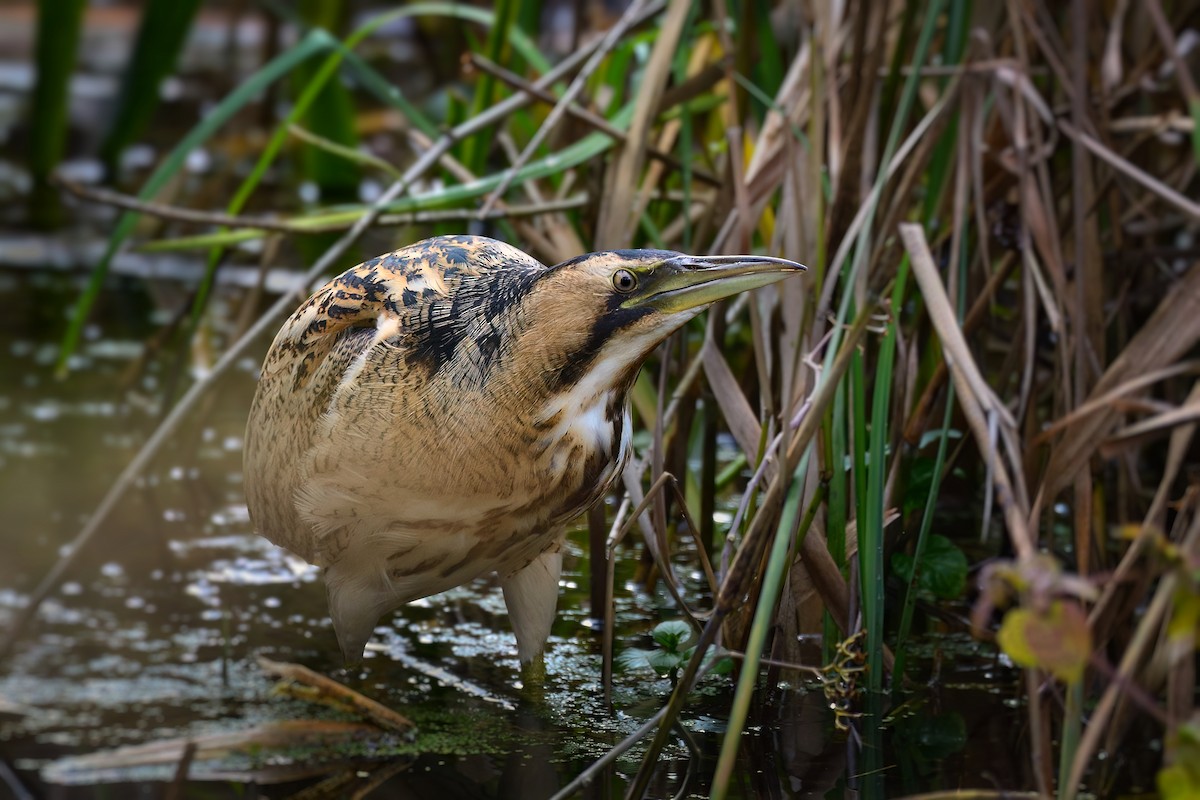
(330, 691)
(977, 400)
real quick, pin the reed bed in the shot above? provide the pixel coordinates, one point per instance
(997, 206)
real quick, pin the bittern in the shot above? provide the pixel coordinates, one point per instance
(443, 411)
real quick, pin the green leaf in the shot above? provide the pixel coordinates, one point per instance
(475, 148)
(388, 92)
(768, 61)
(942, 571)
(1194, 108)
(670, 635)
(1182, 779)
(1178, 782)
(309, 97)
(723, 666)
(663, 661)
(329, 113)
(714, 662)
(315, 41)
(586, 148)
(1057, 640)
(633, 659)
(935, 435)
(1185, 618)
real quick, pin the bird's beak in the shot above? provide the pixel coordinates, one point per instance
(686, 282)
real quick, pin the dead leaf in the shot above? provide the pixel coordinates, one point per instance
(1057, 640)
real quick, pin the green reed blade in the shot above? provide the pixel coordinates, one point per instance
(164, 28)
(788, 533)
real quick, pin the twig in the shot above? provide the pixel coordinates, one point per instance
(1166, 193)
(342, 151)
(618, 214)
(1149, 428)
(10, 779)
(974, 794)
(618, 530)
(379, 776)
(1153, 521)
(588, 775)
(768, 458)
(636, 11)
(673, 584)
(986, 66)
(108, 197)
(813, 671)
(468, 214)
(1171, 120)
(180, 214)
(1129, 684)
(174, 790)
(974, 318)
(862, 216)
(1183, 70)
(418, 140)
(694, 532)
(584, 115)
(329, 689)
(1147, 629)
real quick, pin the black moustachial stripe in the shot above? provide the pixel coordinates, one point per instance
(614, 319)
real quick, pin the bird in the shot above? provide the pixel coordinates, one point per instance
(442, 412)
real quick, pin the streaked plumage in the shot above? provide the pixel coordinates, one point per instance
(441, 412)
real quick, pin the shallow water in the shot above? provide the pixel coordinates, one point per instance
(154, 634)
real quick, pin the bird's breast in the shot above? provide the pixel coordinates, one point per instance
(583, 444)
(579, 453)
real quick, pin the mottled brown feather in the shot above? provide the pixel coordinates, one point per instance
(398, 424)
(441, 412)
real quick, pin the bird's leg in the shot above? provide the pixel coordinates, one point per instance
(356, 603)
(531, 594)
(532, 681)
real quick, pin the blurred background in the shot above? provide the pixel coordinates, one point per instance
(176, 174)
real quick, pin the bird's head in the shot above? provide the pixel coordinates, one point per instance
(601, 314)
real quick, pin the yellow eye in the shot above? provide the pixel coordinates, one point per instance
(624, 281)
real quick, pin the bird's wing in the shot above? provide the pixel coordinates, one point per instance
(400, 286)
(307, 365)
